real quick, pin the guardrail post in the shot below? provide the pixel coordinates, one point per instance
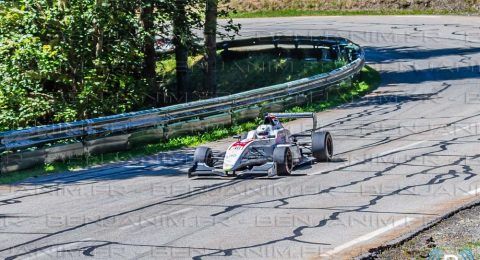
(2, 146)
(225, 47)
(275, 43)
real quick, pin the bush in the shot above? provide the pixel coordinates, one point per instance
(63, 62)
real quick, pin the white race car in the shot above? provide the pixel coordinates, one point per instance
(269, 150)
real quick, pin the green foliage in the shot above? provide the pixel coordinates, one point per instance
(68, 60)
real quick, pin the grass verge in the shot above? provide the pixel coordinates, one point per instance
(368, 80)
(291, 13)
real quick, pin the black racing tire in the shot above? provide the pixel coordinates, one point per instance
(203, 155)
(283, 159)
(322, 146)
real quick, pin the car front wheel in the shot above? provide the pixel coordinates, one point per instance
(283, 159)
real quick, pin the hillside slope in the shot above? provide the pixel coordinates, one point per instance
(312, 5)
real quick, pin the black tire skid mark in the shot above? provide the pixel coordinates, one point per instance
(437, 179)
(185, 196)
(188, 195)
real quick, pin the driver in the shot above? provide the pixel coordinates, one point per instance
(272, 121)
(269, 126)
(264, 131)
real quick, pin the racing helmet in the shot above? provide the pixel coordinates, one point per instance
(264, 130)
(273, 121)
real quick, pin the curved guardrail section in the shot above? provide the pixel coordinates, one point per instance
(26, 148)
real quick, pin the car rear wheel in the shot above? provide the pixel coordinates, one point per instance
(322, 146)
(283, 159)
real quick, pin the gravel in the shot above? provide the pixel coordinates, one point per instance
(452, 235)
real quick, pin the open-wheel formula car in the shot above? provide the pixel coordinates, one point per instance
(270, 150)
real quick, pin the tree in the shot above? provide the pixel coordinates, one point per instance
(185, 16)
(228, 30)
(210, 34)
(68, 60)
(180, 34)
(147, 17)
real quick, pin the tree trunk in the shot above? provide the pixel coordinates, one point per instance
(98, 33)
(210, 34)
(149, 69)
(180, 26)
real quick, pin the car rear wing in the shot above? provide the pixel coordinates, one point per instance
(313, 116)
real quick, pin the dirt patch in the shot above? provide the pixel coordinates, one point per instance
(457, 235)
(315, 5)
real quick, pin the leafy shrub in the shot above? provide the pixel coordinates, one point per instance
(68, 60)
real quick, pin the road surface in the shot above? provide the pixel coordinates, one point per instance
(405, 155)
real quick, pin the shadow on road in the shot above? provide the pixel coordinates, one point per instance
(413, 53)
(171, 164)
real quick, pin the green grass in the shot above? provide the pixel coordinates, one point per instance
(368, 80)
(290, 13)
(472, 244)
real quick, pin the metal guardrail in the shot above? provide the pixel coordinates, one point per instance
(82, 134)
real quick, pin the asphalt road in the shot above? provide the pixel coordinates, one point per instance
(405, 155)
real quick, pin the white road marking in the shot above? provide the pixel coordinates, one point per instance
(474, 192)
(369, 236)
(394, 150)
(417, 16)
(149, 220)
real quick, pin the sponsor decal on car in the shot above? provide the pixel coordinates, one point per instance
(240, 145)
(234, 153)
